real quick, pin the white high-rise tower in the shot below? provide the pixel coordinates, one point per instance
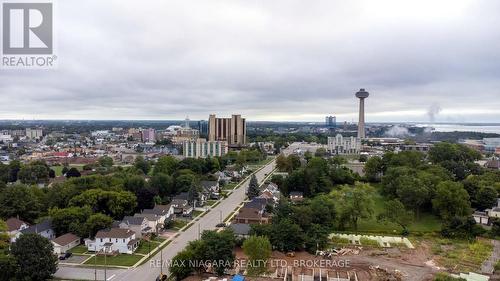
(361, 95)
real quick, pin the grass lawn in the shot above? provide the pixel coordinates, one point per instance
(460, 255)
(58, 169)
(229, 186)
(159, 239)
(426, 223)
(210, 202)
(196, 213)
(146, 246)
(119, 260)
(178, 224)
(80, 249)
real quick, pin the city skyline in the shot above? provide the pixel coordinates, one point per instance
(269, 63)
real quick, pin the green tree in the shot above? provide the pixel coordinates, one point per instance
(320, 152)
(219, 247)
(258, 250)
(19, 200)
(373, 169)
(253, 187)
(323, 210)
(163, 184)
(355, 203)
(180, 266)
(33, 173)
(106, 161)
(73, 173)
(34, 255)
(451, 200)
(486, 197)
(70, 219)
(141, 164)
(116, 204)
(396, 212)
(97, 222)
(286, 236)
(14, 167)
(166, 165)
(316, 238)
(413, 193)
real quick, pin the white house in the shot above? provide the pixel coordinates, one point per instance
(495, 211)
(139, 225)
(111, 240)
(481, 217)
(65, 242)
(14, 227)
(44, 229)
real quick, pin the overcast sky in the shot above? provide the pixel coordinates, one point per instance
(268, 60)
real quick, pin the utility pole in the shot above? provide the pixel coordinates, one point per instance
(95, 261)
(220, 213)
(105, 263)
(199, 231)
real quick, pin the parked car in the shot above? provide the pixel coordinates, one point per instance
(65, 256)
(220, 225)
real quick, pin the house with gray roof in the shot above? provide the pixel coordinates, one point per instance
(139, 225)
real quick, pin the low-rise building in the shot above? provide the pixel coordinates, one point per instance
(65, 242)
(14, 227)
(43, 228)
(117, 240)
(139, 225)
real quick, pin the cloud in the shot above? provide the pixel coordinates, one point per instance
(279, 60)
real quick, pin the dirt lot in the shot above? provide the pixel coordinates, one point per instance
(391, 264)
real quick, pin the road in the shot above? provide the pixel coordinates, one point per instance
(149, 272)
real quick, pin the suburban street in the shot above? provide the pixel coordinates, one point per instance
(147, 271)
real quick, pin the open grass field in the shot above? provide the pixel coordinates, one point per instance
(425, 223)
(58, 169)
(119, 260)
(459, 255)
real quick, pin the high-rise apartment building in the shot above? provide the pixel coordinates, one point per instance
(331, 121)
(34, 133)
(233, 130)
(148, 135)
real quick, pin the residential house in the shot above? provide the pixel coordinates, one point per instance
(251, 216)
(210, 189)
(112, 240)
(481, 217)
(296, 196)
(495, 211)
(270, 191)
(222, 177)
(65, 242)
(14, 226)
(493, 164)
(139, 225)
(181, 207)
(43, 228)
(158, 216)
